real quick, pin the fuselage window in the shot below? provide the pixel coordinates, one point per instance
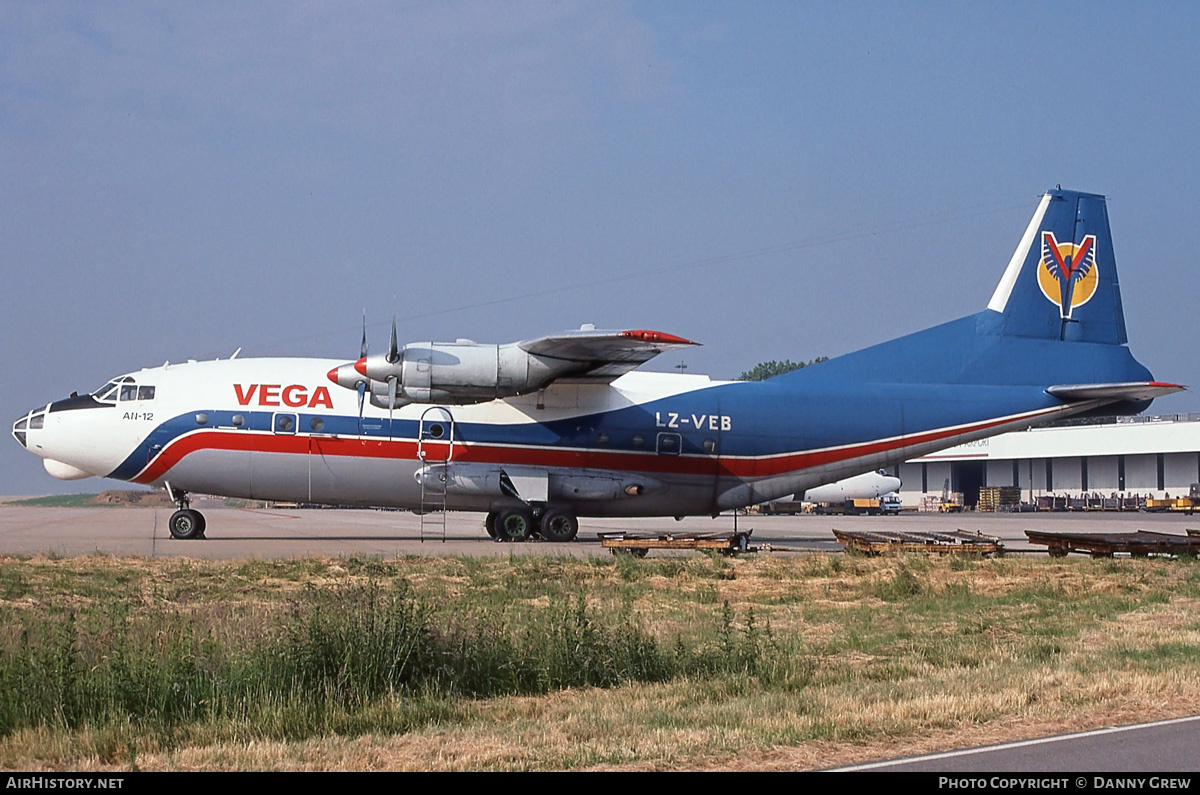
(145, 393)
(317, 424)
(238, 420)
(128, 391)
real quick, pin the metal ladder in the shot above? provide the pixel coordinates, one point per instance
(433, 513)
(433, 500)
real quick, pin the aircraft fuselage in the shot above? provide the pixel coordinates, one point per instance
(646, 444)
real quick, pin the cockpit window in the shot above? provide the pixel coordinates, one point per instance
(128, 391)
(145, 393)
(106, 392)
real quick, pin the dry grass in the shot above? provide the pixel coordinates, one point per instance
(900, 656)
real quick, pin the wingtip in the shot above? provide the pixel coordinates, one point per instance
(646, 335)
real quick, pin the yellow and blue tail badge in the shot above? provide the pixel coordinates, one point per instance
(1061, 282)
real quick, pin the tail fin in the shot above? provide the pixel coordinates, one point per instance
(1054, 319)
(1061, 283)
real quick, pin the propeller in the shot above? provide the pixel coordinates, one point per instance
(362, 396)
(393, 354)
(392, 390)
(362, 384)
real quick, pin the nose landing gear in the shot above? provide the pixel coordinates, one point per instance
(185, 524)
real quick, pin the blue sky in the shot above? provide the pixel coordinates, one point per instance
(774, 180)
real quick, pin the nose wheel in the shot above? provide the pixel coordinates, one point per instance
(186, 524)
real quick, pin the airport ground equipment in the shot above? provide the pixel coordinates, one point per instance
(1140, 544)
(878, 542)
(623, 543)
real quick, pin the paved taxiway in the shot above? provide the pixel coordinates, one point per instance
(280, 533)
(1162, 748)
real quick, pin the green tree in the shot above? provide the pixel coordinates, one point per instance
(764, 370)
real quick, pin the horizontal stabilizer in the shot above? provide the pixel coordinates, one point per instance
(1133, 391)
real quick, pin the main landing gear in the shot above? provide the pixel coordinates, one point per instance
(186, 523)
(521, 523)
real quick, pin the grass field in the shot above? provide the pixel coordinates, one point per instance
(55, 501)
(555, 663)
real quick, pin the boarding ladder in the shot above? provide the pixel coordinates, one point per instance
(435, 445)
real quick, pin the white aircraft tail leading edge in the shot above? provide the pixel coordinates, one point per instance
(539, 432)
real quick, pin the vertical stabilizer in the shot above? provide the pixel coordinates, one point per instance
(1061, 282)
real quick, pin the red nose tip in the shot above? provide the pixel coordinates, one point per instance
(361, 365)
(332, 375)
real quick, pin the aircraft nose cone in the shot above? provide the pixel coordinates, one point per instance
(19, 428)
(32, 421)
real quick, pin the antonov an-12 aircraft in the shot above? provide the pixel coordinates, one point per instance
(540, 432)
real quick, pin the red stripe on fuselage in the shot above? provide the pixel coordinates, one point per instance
(744, 467)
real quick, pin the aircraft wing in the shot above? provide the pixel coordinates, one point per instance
(601, 355)
(1133, 391)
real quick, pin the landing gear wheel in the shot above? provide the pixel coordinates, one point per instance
(559, 524)
(186, 524)
(489, 523)
(514, 524)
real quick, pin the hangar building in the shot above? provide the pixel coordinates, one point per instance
(1157, 456)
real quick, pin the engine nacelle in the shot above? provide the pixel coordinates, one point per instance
(451, 373)
(497, 481)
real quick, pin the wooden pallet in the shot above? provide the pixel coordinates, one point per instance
(1139, 544)
(623, 543)
(877, 542)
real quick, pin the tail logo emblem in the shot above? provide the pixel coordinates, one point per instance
(1067, 273)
